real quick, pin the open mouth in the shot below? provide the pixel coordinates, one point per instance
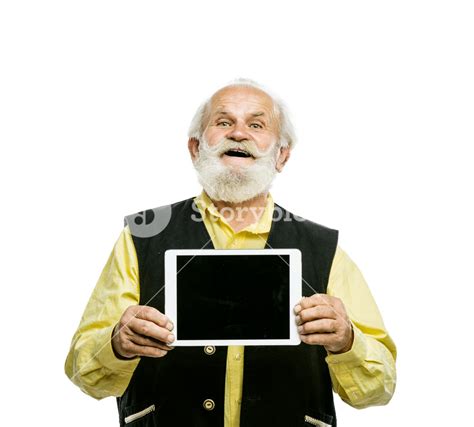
(237, 153)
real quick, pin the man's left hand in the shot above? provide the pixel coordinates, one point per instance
(322, 320)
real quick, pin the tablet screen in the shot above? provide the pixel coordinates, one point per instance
(233, 297)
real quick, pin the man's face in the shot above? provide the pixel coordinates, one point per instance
(241, 114)
(239, 154)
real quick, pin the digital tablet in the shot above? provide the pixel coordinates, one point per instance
(233, 297)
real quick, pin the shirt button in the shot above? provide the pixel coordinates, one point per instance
(237, 356)
(208, 404)
(209, 350)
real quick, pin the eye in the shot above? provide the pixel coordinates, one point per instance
(223, 123)
(256, 126)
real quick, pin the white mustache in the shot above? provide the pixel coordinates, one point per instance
(226, 144)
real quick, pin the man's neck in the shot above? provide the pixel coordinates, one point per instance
(241, 215)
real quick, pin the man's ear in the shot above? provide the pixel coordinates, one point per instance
(283, 157)
(193, 147)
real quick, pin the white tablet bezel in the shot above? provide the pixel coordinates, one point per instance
(171, 302)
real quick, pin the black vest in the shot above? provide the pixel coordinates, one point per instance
(282, 384)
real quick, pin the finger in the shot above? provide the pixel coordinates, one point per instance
(151, 314)
(139, 350)
(314, 313)
(320, 326)
(316, 299)
(320, 339)
(149, 342)
(297, 309)
(151, 330)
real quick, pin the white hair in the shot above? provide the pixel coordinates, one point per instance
(287, 137)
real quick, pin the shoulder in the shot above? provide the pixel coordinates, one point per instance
(151, 222)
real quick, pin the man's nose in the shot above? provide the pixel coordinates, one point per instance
(238, 133)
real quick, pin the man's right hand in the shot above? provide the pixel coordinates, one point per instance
(142, 331)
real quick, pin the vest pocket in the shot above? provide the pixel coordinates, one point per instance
(312, 421)
(144, 415)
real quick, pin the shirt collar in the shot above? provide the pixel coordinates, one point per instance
(263, 225)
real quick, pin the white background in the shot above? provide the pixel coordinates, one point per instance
(95, 101)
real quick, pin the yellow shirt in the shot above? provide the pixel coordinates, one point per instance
(363, 376)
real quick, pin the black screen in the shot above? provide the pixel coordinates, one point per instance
(233, 297)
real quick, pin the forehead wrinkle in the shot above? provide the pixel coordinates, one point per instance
(219, 102)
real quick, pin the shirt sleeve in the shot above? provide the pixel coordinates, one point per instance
(365, 375)
(91, 363)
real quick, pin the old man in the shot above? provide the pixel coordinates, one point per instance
(239, 139)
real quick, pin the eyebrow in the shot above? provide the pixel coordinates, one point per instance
(226, 113)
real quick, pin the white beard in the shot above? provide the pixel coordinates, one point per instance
(239, 183)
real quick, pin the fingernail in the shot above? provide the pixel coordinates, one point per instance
(300, 329)
(298, 320)
(170, 338)
(297, 309)
(169, 326)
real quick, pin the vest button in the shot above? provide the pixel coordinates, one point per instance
(208, 404)
(209, 350)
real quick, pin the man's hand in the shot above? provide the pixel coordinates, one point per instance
(142, 331)
(322, 319)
